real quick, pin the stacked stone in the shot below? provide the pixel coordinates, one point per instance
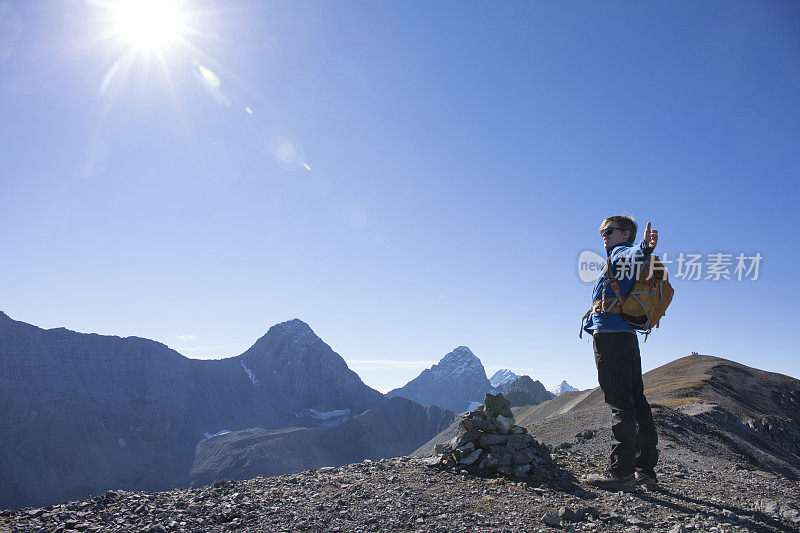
(490, 443)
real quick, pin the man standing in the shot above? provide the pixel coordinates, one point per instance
(619, 365)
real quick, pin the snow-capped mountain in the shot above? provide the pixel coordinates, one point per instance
(563, 387)
(502, 377)
(454, 383)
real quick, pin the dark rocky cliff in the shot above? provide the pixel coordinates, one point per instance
(526, 391)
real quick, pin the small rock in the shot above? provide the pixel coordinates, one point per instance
(504, 423)
(522, 470)
(517, 442)
(491, 461)
(551, 518)
(491, 439)
(506, 470)
(477, 424)
(792, 515)
(462, 438)
(771, 507)
(471, 458)
(465, 450)
(522, 457)
(432, 461)
(565, 513)
(586, 510)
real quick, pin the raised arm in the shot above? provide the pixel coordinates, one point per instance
(636, 255)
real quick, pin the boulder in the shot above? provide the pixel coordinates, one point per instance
(504, 424)
(496, 404)
(522, 457)
(471, 458)
(491, 439)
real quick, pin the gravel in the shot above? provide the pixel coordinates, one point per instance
(699, 493)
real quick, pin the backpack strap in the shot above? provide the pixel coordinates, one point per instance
(583, 321)
(612, 281)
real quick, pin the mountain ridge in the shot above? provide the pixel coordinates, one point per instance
(138, 407)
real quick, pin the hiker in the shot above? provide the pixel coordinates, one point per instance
(619, 365)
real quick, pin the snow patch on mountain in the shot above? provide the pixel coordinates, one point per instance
(325, 418)
(221, 432)
(250, 374)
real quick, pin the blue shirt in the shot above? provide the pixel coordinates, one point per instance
(626, 263)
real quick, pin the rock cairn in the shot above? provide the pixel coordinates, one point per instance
(490, 443)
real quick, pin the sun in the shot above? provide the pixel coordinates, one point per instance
(147, 25)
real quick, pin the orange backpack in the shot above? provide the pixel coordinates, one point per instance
(645, 304)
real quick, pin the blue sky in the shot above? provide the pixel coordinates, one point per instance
(410, 177)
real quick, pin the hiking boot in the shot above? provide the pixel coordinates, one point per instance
(646, 479)
(609, 480)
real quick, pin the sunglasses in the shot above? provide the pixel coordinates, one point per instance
(608, 230)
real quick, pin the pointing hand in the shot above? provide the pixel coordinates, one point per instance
(650, 237)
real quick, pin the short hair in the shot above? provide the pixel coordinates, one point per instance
(625, 222)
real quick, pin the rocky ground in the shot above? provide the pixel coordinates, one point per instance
(699, 493)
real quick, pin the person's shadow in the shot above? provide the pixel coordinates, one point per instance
(755, 520)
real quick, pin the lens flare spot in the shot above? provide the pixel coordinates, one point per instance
(208, 75)
(110, 76)
(283, 150)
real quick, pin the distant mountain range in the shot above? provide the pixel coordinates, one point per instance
(503, 378)
(84, 413)
(458, 383)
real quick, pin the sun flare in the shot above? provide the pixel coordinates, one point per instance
(147, 25)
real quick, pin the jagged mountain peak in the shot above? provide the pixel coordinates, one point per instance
(293, 326)
(461, 352)
(460, 356)
(455, 382)
(292, 334)
(291, 361)
(502, 377)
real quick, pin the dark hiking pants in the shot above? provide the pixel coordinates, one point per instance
(619, 371)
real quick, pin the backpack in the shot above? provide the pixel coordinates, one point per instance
(646, 303)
